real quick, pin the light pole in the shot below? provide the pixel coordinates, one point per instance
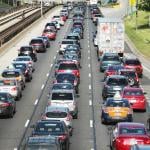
(136, 21)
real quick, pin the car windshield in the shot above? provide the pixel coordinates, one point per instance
(132, 62)
(72, 37)
(110, 58)
(56, 114)
(117, 81)
(7, 83)
(10, 74)
(70, 66)
(49, 127)
(35, 41)
(133, 93)
(62, 96)
(22, 67)
(48, 30)
(128, 74)
(118, 103)
(132, 130)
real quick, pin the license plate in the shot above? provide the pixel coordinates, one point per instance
(117, 89)
(117, 114)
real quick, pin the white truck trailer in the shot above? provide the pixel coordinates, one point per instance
(110, 36)
(93, 2)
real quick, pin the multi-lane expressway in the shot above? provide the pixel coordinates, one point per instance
(88, 132)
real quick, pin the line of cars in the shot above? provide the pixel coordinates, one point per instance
(13, 78)
(122, 95)
(62, 105)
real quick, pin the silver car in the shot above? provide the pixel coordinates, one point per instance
(57, 112)
(64, 98)
(11, 86)
(26, 59)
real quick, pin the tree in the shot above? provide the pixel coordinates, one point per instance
(144, 5)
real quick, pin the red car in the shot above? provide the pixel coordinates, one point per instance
(127, 134)
(69, 67)
(112, 70)
(49, 33)
(136, 97)
(63, 17)
(133, 62)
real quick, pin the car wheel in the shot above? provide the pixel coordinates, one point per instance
(75, 116)
(11, 114)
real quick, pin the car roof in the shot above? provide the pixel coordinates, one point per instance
(12, 69)
(110, 54)
(53, 108)
(130, 124)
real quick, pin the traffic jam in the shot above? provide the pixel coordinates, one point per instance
(122, 92)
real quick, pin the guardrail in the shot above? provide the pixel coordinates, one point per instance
(13, 30)
(16, 15)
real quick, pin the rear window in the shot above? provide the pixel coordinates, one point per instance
(63, 77)
(23, 59)
(133, 93)
(25, 49)
(117, 81)
(67, 42)
(117, 104)
(110, 58)
(62, 86)
(62, 96)
(132, 130)
(68, 66)
(3, 97)
(41, 146)
(56, 114)
(132, 62)
(10, 74)
(128, 74)
(72, 37)
(36, 41)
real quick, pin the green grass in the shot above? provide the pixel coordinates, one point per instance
(141, 36)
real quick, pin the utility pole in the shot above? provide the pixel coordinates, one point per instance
(136, 21)
(41, 8)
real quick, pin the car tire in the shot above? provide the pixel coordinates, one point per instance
(11, 114)
(75, 116)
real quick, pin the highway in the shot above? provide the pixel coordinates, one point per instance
(88, 132)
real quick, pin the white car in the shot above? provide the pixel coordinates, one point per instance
(11, 86)
(58, 18)
(57, 24)
(26, 59)
(64, 98)
(58, 112)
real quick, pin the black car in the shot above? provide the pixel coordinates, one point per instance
(43, 143)
(38, 44)
(113, 84)
(54, 128)
(7, 105)
(26, 70)
(62, 86)
(28, 51)
(46, 40)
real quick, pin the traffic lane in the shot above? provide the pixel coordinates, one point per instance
(102, 138)
(26, 104)
(24, 37)
(82, 138)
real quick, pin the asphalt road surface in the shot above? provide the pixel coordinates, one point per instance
(88, 132)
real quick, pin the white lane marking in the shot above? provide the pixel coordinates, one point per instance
(47, 74)
(92, 148)
(42, 87)
(57, 51)
(15, 148)
(27, 122)
(89, 75)
(91, 123)
(90, 87)
(51, 65)
(89, 65)
(36, 101)
(88, 50)
(54, 57)
(88, 45)
(88, 57)
(90, 103)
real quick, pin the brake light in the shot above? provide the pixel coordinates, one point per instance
(105, 110)
(49, 103)
(13, 89)
(130, 112)
(44, 117)
(62, 137)
(30, 62)
(147, 141)
(26, 71)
